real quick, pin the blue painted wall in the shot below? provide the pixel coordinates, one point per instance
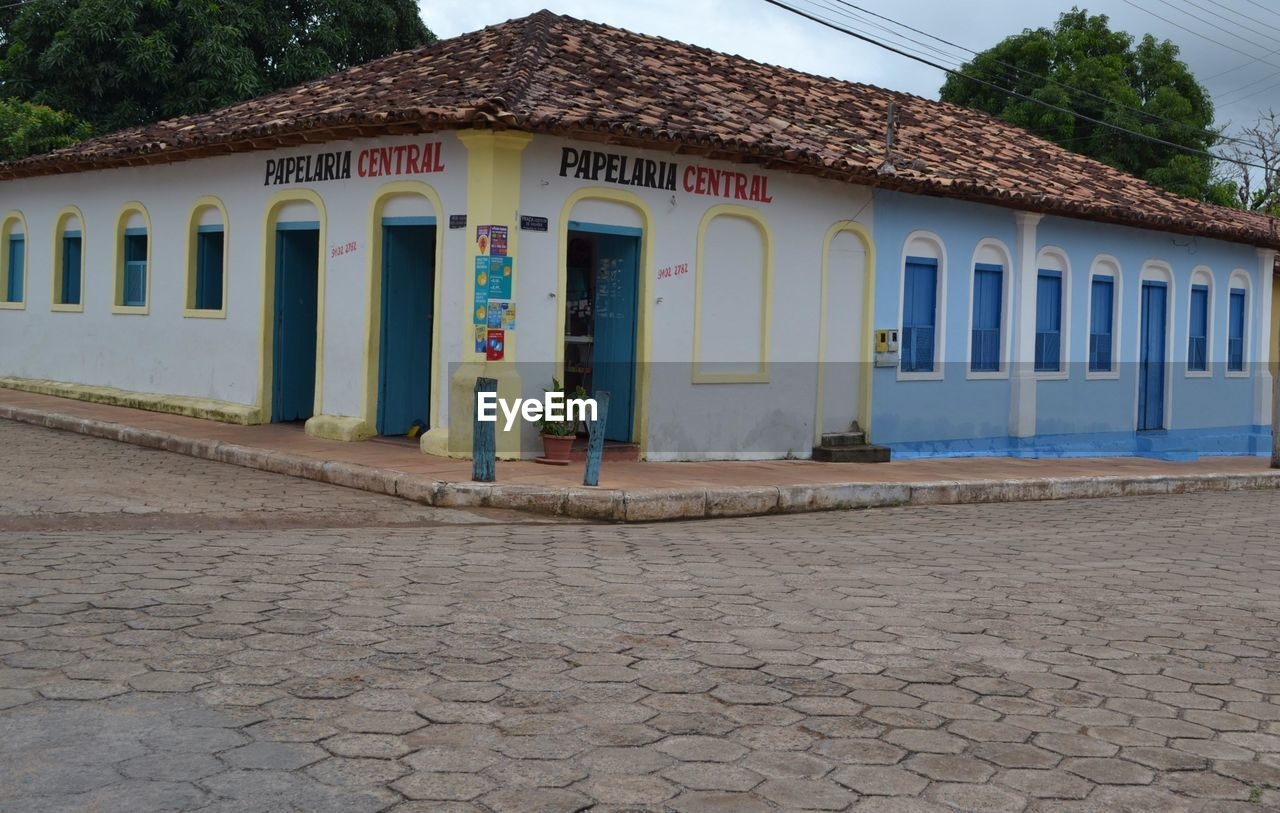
(1077, 415)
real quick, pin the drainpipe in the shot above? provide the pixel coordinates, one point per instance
(1022, 390)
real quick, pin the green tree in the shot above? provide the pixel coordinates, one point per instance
(1081, 64)
(27, 129)
(119, 63)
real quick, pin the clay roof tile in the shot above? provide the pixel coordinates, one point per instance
(557, 74)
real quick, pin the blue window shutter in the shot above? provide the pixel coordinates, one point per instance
(919, 312)
(1048, 356)
(17, 252)
(1235, 332)
(135, 269)
(1198, 334)
(1101, 317)
(209, 253)
(987, 290)
(70, 293)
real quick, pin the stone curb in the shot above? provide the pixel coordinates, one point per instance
(651, 505)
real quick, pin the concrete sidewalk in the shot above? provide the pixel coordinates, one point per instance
(640, 492)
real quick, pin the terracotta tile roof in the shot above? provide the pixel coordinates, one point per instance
(554, 74)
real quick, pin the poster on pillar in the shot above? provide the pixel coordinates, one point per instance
(492, 306)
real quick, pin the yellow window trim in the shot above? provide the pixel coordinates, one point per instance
(122, 220)
(760, 376)
(189, 309)
(270, 215)
(10, 218)
(373, 291)
(868, 293)
(59, 227)
(644, 298)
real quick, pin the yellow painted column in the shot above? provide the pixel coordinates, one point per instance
(493, 199)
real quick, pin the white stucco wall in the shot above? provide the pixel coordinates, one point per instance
(705, 420)
(163, 352)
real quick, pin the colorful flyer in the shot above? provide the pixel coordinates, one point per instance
(509, 316)
(481, 338)
(480, 305)
(495, 345)
(494, 315)
(500, 278)
(497, 241)
(482, 240)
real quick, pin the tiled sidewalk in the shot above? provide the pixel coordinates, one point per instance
(641, 491)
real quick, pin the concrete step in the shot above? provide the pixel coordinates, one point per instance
(854, 437)
(866, 453)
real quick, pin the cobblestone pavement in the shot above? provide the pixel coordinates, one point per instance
(63, 481)
(1113, 655)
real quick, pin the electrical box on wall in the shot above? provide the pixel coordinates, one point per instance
(887, 348)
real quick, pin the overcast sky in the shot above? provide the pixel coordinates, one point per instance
(1245, 57)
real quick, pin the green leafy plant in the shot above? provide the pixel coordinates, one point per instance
(561, 428)
(121, 63)
(28, 129)
(1082, 64)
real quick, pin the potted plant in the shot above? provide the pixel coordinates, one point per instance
(558, 436)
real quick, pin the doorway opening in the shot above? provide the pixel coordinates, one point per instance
(1152, 353)
(601, 309)
(408, 313)
(297, 274)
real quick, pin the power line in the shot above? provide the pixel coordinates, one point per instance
(1154, 116)
(1264, 8)
(1199, 34)
(1215, 15)
(1253, 93)
(917, 58)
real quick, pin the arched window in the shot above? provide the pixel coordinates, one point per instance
(1200, 323)
(206, 293)
(1052, 291)
(731, 297)
(1238, 324)
(924, 274)
(133, 260)
(1104, 317)
(13, 261)
(68, 260)
(988, 324)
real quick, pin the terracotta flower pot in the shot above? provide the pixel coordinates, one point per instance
(555, 448)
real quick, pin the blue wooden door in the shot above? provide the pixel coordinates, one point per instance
(294, 367)
(1151, 359)
(408, 308)
(614, 356)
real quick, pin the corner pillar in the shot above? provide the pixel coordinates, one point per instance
(1022, 390)
(493, 199)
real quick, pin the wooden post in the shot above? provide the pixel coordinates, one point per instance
(484, 453)
(595, 440)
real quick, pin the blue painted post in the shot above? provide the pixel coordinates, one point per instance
(484, 451)
(595, 440)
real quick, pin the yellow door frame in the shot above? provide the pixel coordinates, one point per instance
(373, 344)
(868, 311)
(640, 417)
(270, 216)
(761, 374)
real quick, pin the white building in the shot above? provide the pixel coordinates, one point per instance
(698, 235)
